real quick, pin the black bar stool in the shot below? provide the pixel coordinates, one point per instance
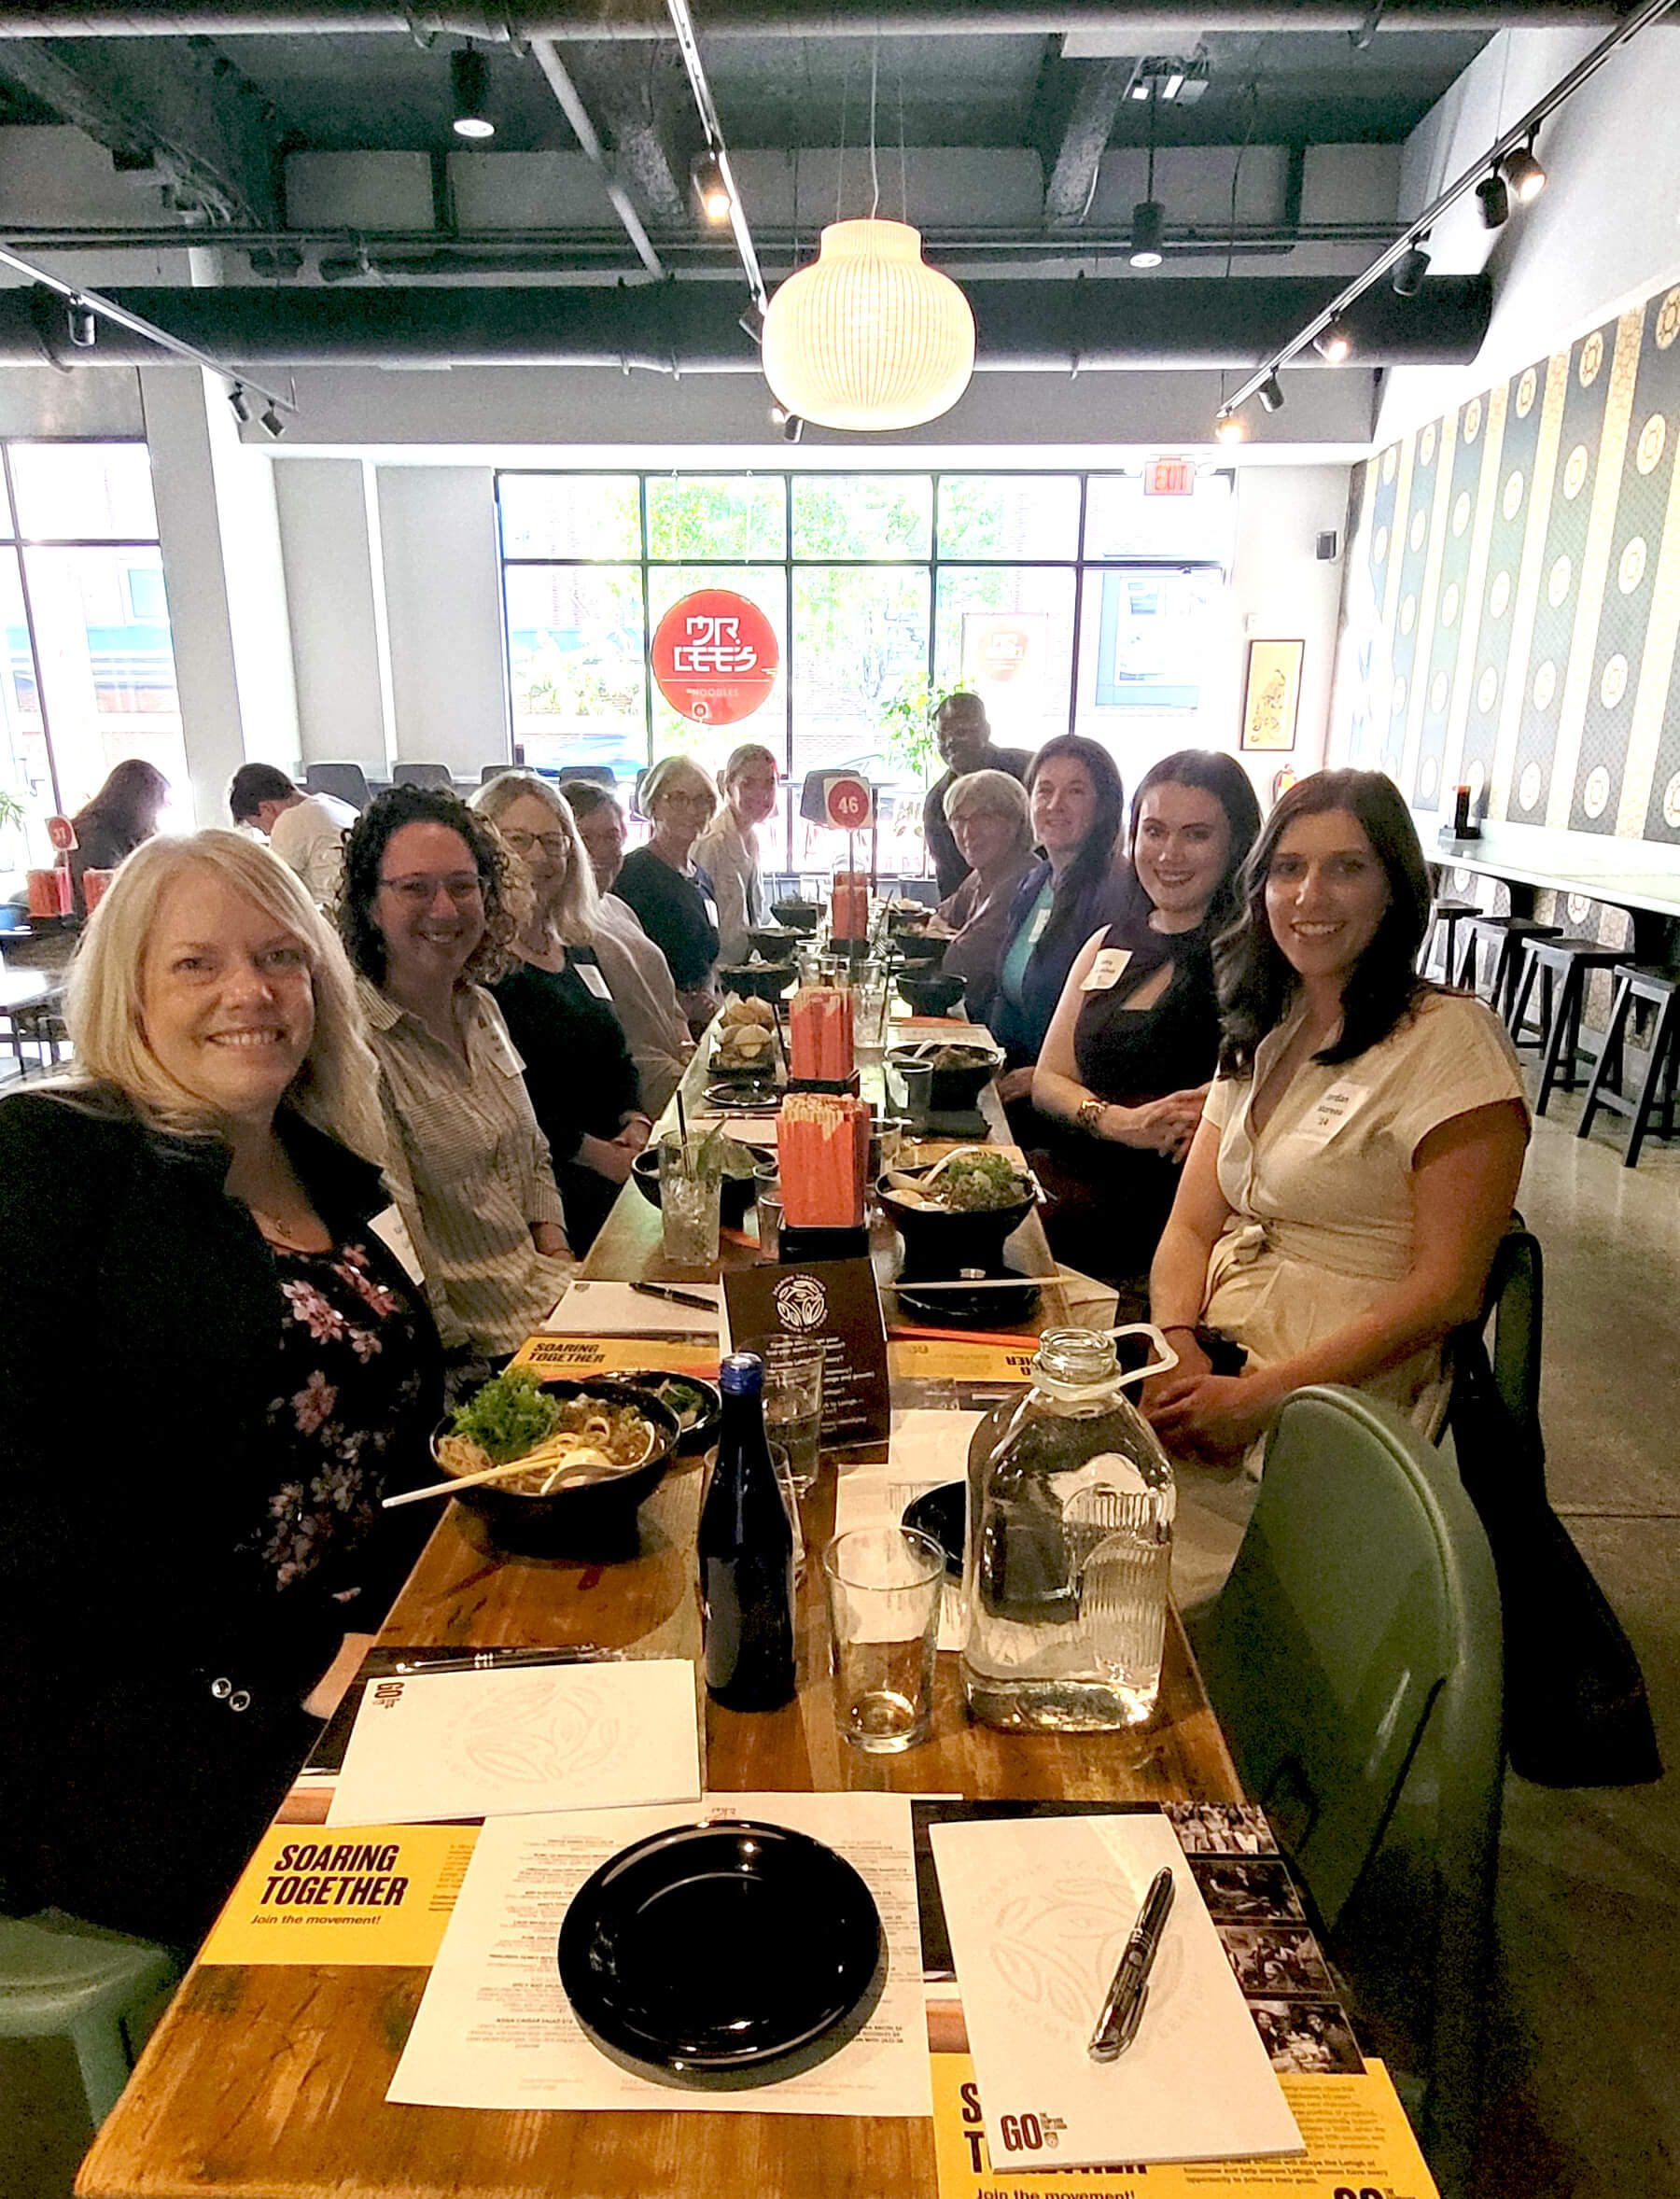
(1658, 989)
(1570, 961)
(1507, 935)
(1451, 913)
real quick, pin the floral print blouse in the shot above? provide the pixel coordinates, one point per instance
(345, 1420)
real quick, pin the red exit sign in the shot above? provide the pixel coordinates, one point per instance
(1169, 477)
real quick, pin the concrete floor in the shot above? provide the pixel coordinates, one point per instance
(1584, 2093)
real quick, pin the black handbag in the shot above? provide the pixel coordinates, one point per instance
(1576, 1709)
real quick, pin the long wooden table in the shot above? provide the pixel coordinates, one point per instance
(269, 2082)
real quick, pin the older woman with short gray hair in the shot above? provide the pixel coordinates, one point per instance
(987, 814)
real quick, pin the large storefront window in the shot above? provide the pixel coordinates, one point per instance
(90, 664)
(1070, 602)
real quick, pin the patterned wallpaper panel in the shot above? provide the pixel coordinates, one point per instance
(1513, 596)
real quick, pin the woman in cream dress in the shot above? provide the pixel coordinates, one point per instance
(1360, 1152)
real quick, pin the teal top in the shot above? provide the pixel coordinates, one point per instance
(1011, 977)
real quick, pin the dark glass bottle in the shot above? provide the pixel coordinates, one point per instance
(746, 1545)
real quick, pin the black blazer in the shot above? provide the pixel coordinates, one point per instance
(150, 1717)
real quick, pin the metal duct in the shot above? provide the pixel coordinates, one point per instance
(1051, 328)
(641, 20)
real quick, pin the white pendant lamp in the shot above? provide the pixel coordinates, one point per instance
(870, 336)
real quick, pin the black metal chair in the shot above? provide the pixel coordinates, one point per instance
(438, 775)
(348, 782)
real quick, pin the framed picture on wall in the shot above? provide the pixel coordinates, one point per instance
(1271, 694)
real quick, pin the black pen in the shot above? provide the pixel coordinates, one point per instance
(1123, 2010)
(675, 1298)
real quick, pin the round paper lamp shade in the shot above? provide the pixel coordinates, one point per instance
(870, 336)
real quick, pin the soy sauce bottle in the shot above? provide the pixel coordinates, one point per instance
(745, 1548)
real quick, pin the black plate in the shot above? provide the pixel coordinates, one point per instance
(720, 1956)
(975, 1309)
(745, 1099)
(693, 1440)
(943, 1513)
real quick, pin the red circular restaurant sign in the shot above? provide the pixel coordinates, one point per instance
(714, 657)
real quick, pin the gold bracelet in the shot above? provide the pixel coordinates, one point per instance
(1088, 1114)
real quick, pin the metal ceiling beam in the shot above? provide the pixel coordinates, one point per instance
(173, 106)
(547, 58)
(1060, 328)
(640, 20)
(1085, 137)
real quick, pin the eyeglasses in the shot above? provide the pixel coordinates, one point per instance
(420, 893)
(554, 844)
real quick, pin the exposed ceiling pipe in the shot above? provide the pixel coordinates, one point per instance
(1056, 328)
(641, 20)
(546, 56)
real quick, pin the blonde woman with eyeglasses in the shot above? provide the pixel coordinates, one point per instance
(668, 891)
(559, 1007)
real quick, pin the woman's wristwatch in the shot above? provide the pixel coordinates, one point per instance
(1088, 1116)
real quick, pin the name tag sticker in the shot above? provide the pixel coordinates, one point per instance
(595, 978)
(1106, 970)
(711, 910)
(1338, 1104)
(392, 1232)
(1036, 930)
(504, 1054)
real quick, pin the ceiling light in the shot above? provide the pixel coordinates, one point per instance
(752, 323)
(1231, 427)
(1270, 394)
(711, 187)
(272, 422)
(1332, 343)
(792, 427)
(84, 329)
(1409, 271)
(240, 402)
(1174, 84)
(1140, 89)
(869, 337)
(1523, 174)
(1495, 200)
(469, 90)
(1148, 220)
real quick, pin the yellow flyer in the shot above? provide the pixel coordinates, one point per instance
(366, 1893)
(951, 1359)
(1358, 2144)
(582, 1356)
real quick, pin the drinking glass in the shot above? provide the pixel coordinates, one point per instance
(870, 997)
(688, 1203)
(884, 1586)
(917, 1080)
(793, 1401)
(767, 1196)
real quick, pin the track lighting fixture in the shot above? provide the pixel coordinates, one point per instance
(84, 328)
(468, 91)
(1148, 219)
(273, 424)
(1332, 343)
(752, 322)
(240, 402)
(1494, 201)
(791, 423)
(711, 188)
(1523, 175)
(1230, 427)
(1410, 268)
(1270, 394)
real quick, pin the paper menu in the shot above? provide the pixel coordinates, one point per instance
(614, 1309)
(1037, 1912)
(520, 1742)
(494, 2028)
(927, 1449)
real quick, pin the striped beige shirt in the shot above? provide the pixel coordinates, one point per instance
(470, 1172)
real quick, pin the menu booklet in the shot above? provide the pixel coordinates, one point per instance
(1039, 1910)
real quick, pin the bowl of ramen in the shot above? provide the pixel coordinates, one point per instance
(697, 1404)
(756, 979)
(798, 915)
(963, 1069)
(955, 1217)
(936, 995)
(581, 1456)
(916, 951)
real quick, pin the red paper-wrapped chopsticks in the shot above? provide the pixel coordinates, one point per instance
(823, 1145)
(819, 1020)
(848, 905)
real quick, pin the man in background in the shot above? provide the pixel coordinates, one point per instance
(306, 831)
(965, 745)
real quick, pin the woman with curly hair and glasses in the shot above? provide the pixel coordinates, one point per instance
(1360, 1151)
(429, 915)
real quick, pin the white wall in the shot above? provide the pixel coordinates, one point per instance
(1604, 231)
(1282, 591)
(442, 597)
(333, 586)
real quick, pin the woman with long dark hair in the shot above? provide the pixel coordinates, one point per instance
(1360, 1147)
(123, 814)
(1133, 1045)
(1077, 804)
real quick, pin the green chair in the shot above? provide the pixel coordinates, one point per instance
(62, 1979)
(1354, 1658)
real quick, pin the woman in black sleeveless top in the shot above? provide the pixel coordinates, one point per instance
(1134, 1039)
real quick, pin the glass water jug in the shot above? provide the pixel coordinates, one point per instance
(1069, 1541)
